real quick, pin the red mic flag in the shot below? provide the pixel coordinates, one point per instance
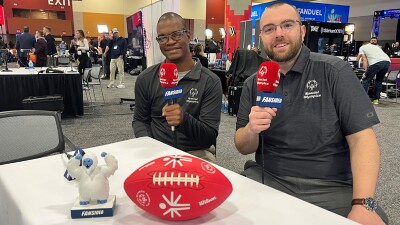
(168, 75)
(268, 77)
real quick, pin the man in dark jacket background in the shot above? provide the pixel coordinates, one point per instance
(40, 49)
(51, 45)
(25, 43)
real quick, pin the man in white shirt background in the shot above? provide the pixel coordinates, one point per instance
(376, 63)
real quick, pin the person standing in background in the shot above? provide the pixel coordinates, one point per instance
(105, 58)
(396, 49)
(51, 46)
(117, 49)
(25, 43)
(40, 49)
(82, 47)
(63, 46)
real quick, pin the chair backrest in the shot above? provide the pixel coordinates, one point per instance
(392, 75)
(95, 72)
(86, 75)
(29, 134)
(398, 80)
(63, 61)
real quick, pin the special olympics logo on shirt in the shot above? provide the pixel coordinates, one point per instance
(311, 85)
(193, 92)
(176, 73)
(162, 72)
(263, 70)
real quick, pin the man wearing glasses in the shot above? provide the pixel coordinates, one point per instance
(319, 146)
(196, 116)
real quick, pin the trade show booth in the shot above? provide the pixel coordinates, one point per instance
(326, 28)
(136, 59)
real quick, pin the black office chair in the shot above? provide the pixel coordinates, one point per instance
(390, 83)
(30, 134)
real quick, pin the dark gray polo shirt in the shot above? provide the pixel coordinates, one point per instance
(323, 102)
(201, 105)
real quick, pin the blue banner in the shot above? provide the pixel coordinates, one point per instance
(173, 93)
(310, 11)
(269, 100)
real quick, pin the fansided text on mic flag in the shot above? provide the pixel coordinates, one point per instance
(173, 93)
(271, 100)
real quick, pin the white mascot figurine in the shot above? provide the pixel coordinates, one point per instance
(93, 182)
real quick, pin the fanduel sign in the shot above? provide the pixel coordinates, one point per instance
(313, 12)
(310, 11)
(59, 2)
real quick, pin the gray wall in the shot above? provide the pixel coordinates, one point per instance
(363, 27)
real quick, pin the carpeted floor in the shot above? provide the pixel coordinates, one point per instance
(112, 123)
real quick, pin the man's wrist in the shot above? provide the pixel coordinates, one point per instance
(369, 203)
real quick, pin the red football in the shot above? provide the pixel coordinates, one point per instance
(178, 187)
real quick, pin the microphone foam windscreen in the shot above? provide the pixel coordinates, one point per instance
(168, 75)
(268, 77)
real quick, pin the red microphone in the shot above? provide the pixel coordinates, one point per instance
(169, 80)
(267, 81)
(168, 75)
(268, 77)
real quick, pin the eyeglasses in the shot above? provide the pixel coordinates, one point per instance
(286, 25)
(176, 36)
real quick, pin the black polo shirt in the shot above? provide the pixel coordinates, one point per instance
(323, 102)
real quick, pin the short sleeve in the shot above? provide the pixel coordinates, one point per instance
(246, 102)
(353, 106)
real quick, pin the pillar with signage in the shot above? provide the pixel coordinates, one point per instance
(235, 11)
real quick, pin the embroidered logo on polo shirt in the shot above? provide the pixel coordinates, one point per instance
(312, 90)
(193, 96)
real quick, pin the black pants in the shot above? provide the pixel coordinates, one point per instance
(379, 71)
(83, 62)
(106, 65)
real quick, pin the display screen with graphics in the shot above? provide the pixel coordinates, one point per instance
(311, 11)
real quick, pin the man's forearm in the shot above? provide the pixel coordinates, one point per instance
(365, 62)
(246, 142)
(141, 129)
(365, 159)
(197, 130)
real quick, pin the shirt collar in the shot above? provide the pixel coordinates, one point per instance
(301, 62)
(194, 73)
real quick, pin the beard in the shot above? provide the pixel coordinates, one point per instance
(291, 54)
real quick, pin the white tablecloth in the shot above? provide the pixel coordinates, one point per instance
(35, 192)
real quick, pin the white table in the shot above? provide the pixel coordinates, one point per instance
(35, 192)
